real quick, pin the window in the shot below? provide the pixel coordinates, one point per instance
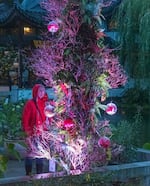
(28, 30)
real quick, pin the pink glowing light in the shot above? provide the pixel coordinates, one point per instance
(104, 142)
(53, 26)
(111, 109)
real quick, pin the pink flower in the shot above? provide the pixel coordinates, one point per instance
(104, 142)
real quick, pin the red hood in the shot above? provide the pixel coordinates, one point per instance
(35, 92)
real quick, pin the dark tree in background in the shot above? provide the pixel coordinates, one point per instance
(133, 25)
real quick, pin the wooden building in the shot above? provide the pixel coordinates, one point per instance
(20, 27)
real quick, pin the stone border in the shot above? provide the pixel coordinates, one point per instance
(120, 173)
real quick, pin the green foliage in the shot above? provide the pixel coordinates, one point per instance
(87, 179)
(10, 128)
(7, 58)
(146, 146)
(11, 150)
(136, 96)
(128, 134)
(133, 24)
(92, 13)
(103, 83)
(10, 120)
(3, 164)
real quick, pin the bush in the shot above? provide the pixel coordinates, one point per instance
(128, 134)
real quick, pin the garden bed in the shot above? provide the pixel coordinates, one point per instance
(131, 174)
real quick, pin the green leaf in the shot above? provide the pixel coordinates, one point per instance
(3, 164)
(67, 52)
(146, 146)
(10, 146)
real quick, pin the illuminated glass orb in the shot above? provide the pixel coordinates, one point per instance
(104, 142)
(68, 124)
(49, 111)
(53, 26)
(111, 109)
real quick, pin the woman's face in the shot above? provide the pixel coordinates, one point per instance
(41, 92)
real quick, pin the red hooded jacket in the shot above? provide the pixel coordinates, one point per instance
(33, 116)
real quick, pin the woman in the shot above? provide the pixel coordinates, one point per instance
(34, 123)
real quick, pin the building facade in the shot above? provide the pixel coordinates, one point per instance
(20, 26)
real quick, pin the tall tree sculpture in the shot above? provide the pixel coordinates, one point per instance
(74, 61)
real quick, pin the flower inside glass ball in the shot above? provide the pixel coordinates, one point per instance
(68, 124)
(111, 109)
(104, 142)
(49, 111)
(53, 26)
